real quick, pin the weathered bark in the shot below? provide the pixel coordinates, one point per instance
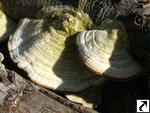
(17, 9)
(140, 35)
(100, 10)
(18, 95)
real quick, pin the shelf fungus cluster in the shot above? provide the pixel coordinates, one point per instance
(45, 48)
(63, 50)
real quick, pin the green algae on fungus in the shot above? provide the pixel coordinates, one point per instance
(66, 18)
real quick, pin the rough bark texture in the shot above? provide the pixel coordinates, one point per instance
(100, 10)
(17, 9)
(20, 96)
(140, 34)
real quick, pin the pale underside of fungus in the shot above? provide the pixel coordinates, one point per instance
(90, 97)
(105, 51)
(7, 26)
(46, 50)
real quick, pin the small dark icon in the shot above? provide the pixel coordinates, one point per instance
(144, 104)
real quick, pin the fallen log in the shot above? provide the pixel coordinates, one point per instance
(18, 95)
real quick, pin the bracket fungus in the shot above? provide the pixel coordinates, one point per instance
(105, 51)
(46, 50)
(7, 26)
